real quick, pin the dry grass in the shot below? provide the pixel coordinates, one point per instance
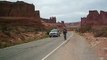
(100, 33)
(15, 39)
(10, 35)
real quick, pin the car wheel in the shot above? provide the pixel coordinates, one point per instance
(50, 36)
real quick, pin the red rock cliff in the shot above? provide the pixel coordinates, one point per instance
(51, 20)
(19, 13)
(16, 9)
(95, 19)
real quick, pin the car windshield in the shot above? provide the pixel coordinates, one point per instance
(54, 30)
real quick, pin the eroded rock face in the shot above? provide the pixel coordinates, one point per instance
(83, 21)
(95, 19)
(19, 22)
(16, 9)
(19, 13)
(103, 16)
(51, 20)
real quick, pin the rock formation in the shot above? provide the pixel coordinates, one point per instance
(103, 16)
(51, 20)
(19, 13)
(16, 9)
(17, 20)
(95, 19)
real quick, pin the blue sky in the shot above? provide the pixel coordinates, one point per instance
(67, 10)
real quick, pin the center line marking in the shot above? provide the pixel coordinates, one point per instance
(56, 48)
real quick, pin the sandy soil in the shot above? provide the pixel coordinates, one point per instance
(99, 43)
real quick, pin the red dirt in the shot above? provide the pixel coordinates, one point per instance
(99, 43)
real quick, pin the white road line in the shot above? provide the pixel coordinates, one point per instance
(57, 48)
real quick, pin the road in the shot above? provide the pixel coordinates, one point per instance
(35, 50)
(76, 48)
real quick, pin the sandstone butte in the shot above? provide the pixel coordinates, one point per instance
(51, 23)
(23, 14)
(19, 13)
(95, 19)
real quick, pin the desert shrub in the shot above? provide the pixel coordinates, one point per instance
(48, 30)
(4, 28)
(100, 33)
(13, 35)
(73, 29)
(84, 29)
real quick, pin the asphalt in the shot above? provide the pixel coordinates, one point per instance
(35, 50)
(77, 48)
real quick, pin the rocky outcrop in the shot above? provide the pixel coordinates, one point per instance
(51, 25)
(19, 13)
(95, 19)
(83, 21)
(16, 9)
(19, 23)
(51, 20)
(103, 16)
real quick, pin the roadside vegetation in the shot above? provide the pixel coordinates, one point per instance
(97, 33)
(10, 35)
(97, 39)
(100, 33)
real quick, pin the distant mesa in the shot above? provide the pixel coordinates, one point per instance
(51, 23)
(51, 20)
(95, 19)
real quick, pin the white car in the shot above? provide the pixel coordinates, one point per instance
(54, 33)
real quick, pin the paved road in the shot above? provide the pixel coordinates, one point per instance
(35, 50)
(75, 49)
